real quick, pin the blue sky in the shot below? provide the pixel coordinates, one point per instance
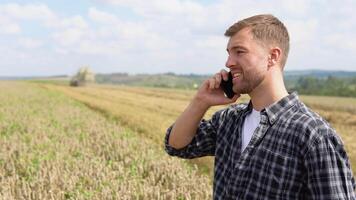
(135, 36)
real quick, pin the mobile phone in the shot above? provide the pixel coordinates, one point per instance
(227, 87)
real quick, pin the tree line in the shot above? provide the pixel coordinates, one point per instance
(330, 86)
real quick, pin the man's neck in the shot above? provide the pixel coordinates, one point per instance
(271, 90)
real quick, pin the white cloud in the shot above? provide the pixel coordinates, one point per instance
(30, 43)
(295, 8)
(157, 7)
(302, 32)
(75, 21)
(8, 27)
(102, 17)
(341, 42)
(70, 36)
(26, 12)
(111, 36)
(98, 48)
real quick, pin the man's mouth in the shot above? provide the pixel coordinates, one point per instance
(236, 75)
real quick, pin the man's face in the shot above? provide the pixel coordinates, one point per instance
(247, 61)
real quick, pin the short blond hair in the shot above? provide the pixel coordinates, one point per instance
(267, 29)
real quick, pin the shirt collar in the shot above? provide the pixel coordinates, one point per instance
(275, 110)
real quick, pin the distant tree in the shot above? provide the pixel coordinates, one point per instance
(329, 86)
(308, 85)
(169, 73)
(83, 77)
(353, 80)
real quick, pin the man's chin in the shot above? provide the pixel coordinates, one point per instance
(241, 90)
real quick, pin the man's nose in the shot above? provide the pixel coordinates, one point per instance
(229, 62)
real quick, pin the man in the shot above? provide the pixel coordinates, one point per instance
(274, 147)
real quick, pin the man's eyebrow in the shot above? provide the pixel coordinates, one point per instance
(236, 47)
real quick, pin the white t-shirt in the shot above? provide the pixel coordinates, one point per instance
(250, 124)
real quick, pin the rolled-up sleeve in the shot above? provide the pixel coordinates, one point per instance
(329, 170)
(203, 143)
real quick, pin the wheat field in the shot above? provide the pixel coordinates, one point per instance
(53, 147)
(150, 111)
(106, 142)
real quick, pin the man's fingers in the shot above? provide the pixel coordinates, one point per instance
(217, 80)
(211, 83)
(225, 74)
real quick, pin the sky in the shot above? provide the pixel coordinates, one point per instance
(43, 38)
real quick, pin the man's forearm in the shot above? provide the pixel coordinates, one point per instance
(186, 125)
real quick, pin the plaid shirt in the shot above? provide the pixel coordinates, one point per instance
(293, 154)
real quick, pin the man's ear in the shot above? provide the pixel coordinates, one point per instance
(274, 56)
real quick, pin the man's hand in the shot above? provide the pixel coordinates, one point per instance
(211, 94)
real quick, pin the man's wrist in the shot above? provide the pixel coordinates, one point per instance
(200, 104)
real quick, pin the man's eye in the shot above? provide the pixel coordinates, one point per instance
(240, 52)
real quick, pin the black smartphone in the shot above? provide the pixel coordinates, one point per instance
(227, 86)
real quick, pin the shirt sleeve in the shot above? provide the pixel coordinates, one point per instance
(329, 172)
(204, 141)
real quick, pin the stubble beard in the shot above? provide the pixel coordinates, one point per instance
(248, 84)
